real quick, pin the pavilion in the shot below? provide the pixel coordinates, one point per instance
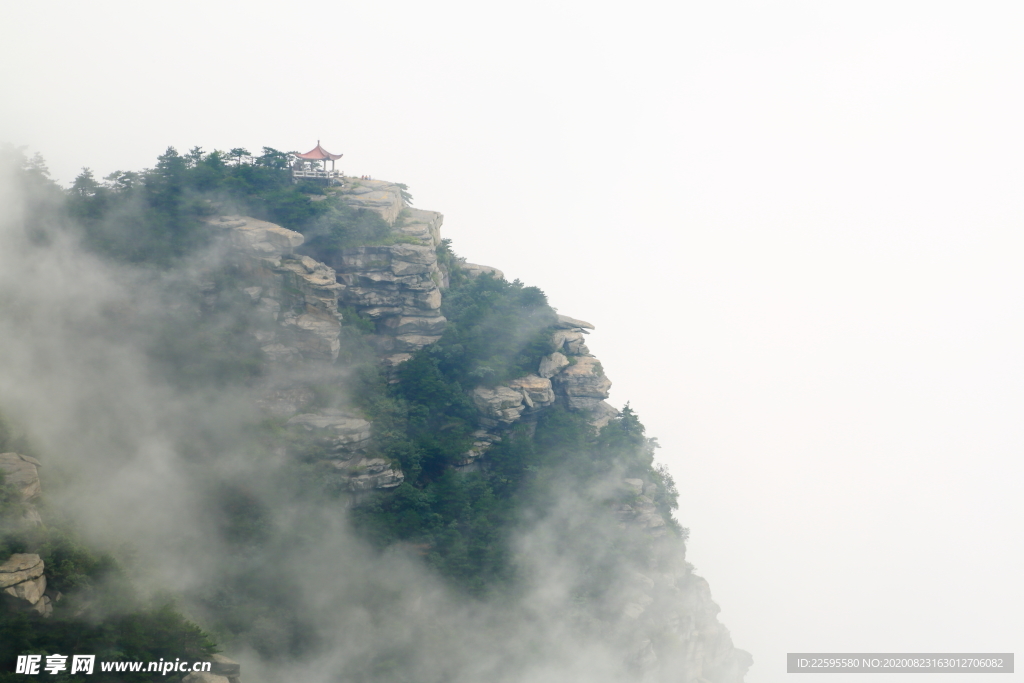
(306, 165)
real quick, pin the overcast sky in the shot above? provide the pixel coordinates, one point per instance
(796, 226)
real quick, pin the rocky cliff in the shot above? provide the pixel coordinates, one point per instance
(307, 315)
(667, 618)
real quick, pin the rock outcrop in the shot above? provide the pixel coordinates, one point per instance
(297, 301)
(363, 474)
(583, 383)
(536, 390)
(378, 195)
(398, 287)
(23, 580)
(476, 270)
(570, 375)
(342, 433)
(344, 436)
(296, 295)
(21, 472)
(665, 612)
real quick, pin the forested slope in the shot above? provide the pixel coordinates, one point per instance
(295, 415)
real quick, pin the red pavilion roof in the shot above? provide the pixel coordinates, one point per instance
(318, 153)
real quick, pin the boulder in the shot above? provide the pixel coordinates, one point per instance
(21, 472)
(22, 578)
(30, 591)
(583, 384)
(476, 270)
(566, 323)
(550, 365)
(570, 341)
(536, 390)
(498, 405)
(20, 567)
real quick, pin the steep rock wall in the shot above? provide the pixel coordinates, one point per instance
(667, 618)
(297, 298)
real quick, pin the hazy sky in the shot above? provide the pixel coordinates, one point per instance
(796, 225)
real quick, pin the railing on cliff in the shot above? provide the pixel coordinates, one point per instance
(328, 175)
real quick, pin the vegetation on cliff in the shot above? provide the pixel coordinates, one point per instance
(463, 522)
(154, 216)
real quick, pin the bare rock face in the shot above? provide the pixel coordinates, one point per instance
(424, 225)
(22, 579)
(583, 384)
(399, 287)
(340, 431)
(570, 342)
(21, 471)
(379, 195)
(308, 292)
(258, 238)
(550, 365)
(297, 296)
(19, 568)
(536, 390)
(500, 405)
